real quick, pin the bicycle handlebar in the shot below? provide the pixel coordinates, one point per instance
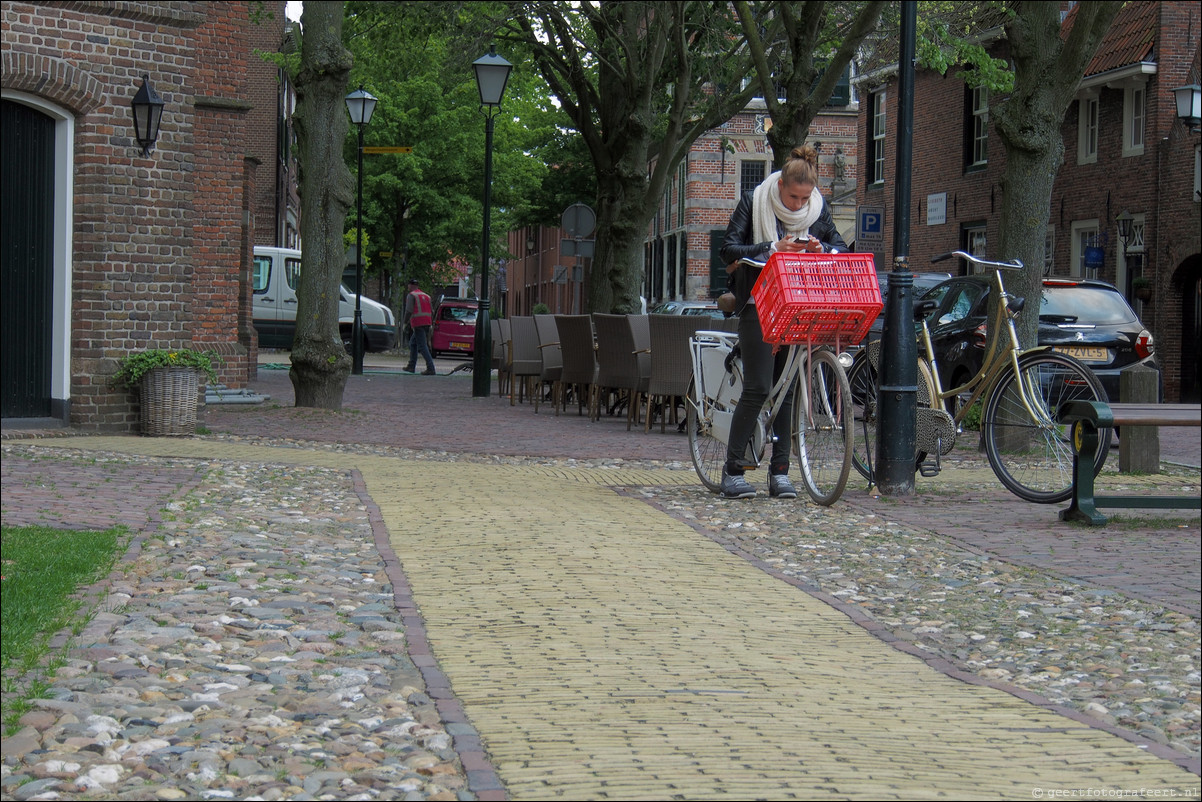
(1013, 264)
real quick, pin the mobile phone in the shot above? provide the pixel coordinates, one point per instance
(801, 239)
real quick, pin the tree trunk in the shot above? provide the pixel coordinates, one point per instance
(1047, 69)
(320, 363)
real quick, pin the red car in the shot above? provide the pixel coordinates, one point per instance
(454, 329)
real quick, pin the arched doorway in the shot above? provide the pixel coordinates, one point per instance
(27, 201)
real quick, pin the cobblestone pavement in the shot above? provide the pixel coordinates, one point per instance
(302, 669)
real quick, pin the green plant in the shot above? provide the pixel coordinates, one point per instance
(42, 570)
(540, 309)
(1140, 283)
(132, 368)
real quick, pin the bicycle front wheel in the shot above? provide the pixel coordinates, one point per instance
(708, 452)
(1033, 456)
(823, 426)
(862, 379)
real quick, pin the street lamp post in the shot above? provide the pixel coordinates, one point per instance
(492, 73)
(361, 105)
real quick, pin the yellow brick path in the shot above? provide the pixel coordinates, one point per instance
(605, 650)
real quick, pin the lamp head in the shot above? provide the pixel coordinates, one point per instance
(147, 109)
(361, 104)
(492, 74)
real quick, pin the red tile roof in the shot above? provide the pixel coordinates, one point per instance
(1130, 40)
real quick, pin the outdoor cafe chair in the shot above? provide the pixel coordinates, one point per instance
(578, 350)
(526, 363)
(552, 359)
(671, 362)
(624, 366)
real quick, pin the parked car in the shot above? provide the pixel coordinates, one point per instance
(1087, 319)
(454, 329)
(687, 308)
(276, 275)
(922, 283)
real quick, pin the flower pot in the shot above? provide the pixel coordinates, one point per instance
(1143, 293)
(169, 401)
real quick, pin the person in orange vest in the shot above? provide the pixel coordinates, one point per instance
(419, 317)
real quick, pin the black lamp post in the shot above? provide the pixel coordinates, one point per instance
(361, 105)
(492, 73)
(148, 113)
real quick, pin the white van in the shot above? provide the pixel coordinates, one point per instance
(277, 271)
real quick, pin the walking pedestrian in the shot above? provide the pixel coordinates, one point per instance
(419, 317)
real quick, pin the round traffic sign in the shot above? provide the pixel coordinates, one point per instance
(579, 220)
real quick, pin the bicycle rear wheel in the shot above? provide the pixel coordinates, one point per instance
(1033, 458)
(862, 380)
(823, 427)
(707, 451)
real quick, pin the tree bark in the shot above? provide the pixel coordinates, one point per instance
(320, 363)
(1047, 70)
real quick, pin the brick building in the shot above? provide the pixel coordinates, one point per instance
(117, 250)
(1124, 150)
(271, 136)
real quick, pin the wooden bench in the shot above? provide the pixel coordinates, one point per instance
(1087, 417)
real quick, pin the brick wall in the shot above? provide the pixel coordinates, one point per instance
(156, 253)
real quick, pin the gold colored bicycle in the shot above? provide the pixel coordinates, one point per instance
(1020, 390)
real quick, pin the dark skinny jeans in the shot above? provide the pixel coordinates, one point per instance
(761, 369)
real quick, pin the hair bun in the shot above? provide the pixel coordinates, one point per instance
(806, 153)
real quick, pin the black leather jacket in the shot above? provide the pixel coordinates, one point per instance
(736, 244)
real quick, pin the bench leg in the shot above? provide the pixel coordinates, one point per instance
(1085, 447)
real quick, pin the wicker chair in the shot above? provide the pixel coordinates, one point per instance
(579, 352)
(500, 354)
(526, 362)
(552, 357)
(671, 362)
(624, 366)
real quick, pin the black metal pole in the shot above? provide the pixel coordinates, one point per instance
(482, 348)
(357, 329)
(898, 391)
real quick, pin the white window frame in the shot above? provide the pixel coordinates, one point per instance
(1083, 232)
(1087, 129)
(980, 127)
(1135, 114)
(977, 243)
(878, 136)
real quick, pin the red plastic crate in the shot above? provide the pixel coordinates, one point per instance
(817, 298)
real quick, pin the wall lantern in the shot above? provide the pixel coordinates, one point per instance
(1189, 105)
(1124, 221)
(148, 113)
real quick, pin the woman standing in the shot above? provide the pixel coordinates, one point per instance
(785, 213)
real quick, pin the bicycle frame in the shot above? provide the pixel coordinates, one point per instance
(720, 386)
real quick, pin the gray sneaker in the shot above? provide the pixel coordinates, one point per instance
(779, 486)
(736, 487)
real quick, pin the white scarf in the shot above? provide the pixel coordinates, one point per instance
(767, 208)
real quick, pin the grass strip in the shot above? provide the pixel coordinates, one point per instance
(41, 570)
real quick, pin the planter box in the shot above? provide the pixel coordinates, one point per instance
(170, 398)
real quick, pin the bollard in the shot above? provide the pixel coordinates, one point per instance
(1139, 446)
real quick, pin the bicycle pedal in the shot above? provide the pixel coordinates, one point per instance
(748, 466)
(929, 470)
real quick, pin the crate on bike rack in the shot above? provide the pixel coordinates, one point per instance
(817, 298)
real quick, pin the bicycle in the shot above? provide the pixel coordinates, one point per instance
(821, 429)
(1020, 389)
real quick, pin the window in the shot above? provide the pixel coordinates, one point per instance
(262, 273)
(977, 127)
(292, 272)
(1134, 111)
(877, 132)
(1049, 250)
(1085, 248)
(681, 175)
(751, 174)
(1087, 130)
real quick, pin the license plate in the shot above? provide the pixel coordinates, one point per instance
(1086, 353)
(462, 346)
